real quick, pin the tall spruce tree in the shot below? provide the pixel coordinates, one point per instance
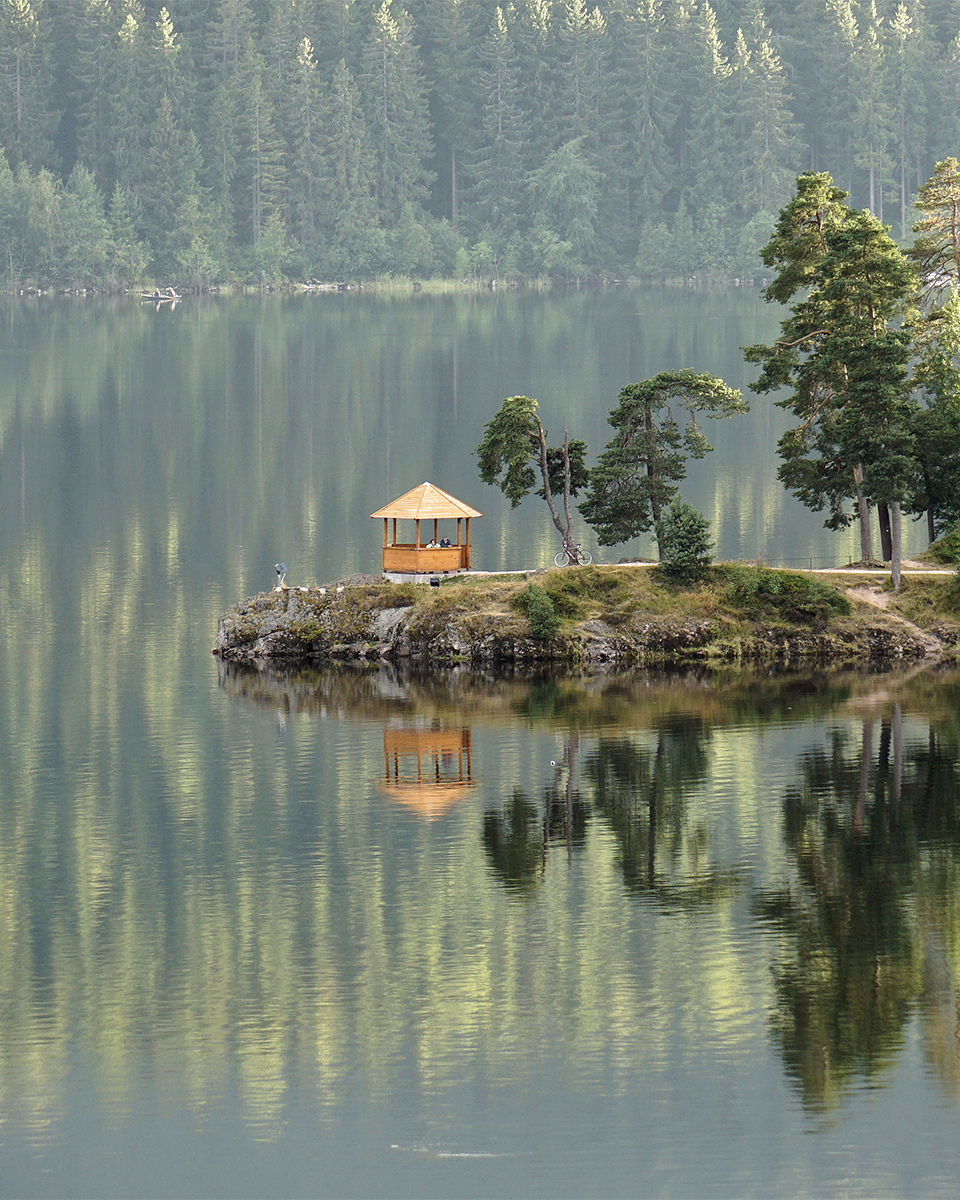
(495, 196)
(260, 180)
(27, 113)
(395, 102)
(652, 90)
(92, 70)
(911, 55)
(873, 118)
(353, 241)
(844, 356)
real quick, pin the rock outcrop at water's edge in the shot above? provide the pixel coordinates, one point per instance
(378, 622)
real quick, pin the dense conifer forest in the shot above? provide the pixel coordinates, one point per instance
(257, 140)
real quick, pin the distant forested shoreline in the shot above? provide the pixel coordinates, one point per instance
(258, 141)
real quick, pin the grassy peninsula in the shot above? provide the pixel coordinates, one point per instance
(590, 617)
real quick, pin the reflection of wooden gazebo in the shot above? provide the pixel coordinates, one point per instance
(426, 770)
(426, 503)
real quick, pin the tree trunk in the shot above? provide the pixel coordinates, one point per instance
(895, 544)
(654, 504)
(863, 509)
(931, 531)
(565, 531)
(897, 754)
(454, 199)
(883, 519)
(866, 760)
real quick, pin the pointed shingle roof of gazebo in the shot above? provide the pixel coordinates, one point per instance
(426, 502)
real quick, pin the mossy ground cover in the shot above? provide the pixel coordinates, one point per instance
(735, 599)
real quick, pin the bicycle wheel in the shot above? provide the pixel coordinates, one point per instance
(585, 557)
(561, 558)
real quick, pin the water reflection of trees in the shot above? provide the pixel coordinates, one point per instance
(518, 837)
(869, 815)
(642, 790)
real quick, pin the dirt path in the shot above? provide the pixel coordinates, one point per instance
(878, 598)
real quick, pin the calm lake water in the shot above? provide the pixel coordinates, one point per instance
(347, 934)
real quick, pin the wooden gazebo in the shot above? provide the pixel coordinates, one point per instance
(432, 505)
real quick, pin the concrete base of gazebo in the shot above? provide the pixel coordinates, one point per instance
(419, 576)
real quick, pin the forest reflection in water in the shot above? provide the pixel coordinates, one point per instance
(540, 921)
(860, 897)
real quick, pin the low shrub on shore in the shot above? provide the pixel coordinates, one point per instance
(761, 593)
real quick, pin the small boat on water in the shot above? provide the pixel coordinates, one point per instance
(168, 295)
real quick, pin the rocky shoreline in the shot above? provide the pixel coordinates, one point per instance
(371, 621)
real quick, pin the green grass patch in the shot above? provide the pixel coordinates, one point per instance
(945, 549)
(761, 593)
(925, 601)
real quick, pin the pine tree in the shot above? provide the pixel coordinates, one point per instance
(766, 147)
(495, 196)
(170, 177)
(656, 108)
(85, 249)
(709, 139)
(843, 355)
(637, 474)
(260, 179)
(394, 97)
(129, 256)
(308, 137)
(347, 211)
(535, 36)
(872, 114)
(829, 28)
(514, 454)
(93, 68)
(451, 61)
(936, 249)
(129, 122)
(565, 194)
(912, 54)
(582, 45)
(27, 114)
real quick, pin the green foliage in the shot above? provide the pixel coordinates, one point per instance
(636, 475)
(946, 549)
(762, 593)
(561, 139)
(579, 475)
(509, 442)
(841, 353)
(514, 451)
(538, 608)
(685, 542)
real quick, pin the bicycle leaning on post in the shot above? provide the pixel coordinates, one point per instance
(572, 556)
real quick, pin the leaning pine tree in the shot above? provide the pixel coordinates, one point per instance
(514, 452)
